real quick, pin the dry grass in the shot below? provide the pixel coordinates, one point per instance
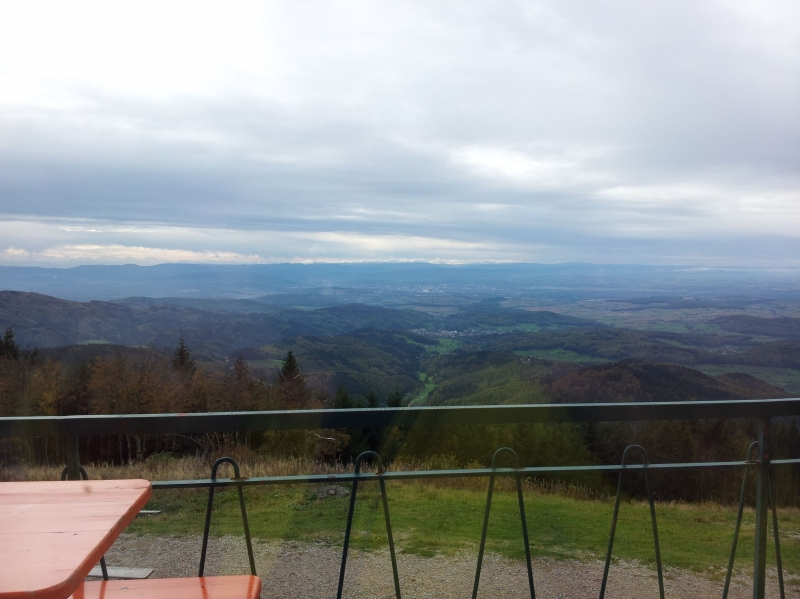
(252, 464)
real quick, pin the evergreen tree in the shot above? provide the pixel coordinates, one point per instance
(241, 370)
(290, 371)
(372, 400)
(342, 399)
(372, 437)
(395, 399)
(292, 385)
(182, 360)
(237, 388)
(9, 348)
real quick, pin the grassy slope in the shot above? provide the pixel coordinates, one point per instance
(428, 520)
(787, 378)
(486, 378)
(559, 355)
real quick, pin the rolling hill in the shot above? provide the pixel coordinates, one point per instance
(782, 327)
(642, 380)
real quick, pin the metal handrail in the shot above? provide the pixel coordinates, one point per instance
(349, 477)
(381, 475)
(764, 411)
(210, 422)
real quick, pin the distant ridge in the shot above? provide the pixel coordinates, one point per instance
(108, 282)
(44, 321)
(217, 327)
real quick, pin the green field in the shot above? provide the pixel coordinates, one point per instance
(524, 326)
(266, 363)
(445, 346)
(787, 378)
(429, 520)
(422, 398)
(560, 355)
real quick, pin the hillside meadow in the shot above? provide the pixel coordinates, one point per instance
(444, 517)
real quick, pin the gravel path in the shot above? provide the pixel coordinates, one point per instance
(301, 570)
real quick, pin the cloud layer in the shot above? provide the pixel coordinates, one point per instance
(532, 131)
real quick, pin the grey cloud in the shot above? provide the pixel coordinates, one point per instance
(571, 130)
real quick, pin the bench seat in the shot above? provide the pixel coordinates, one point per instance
(205, 587)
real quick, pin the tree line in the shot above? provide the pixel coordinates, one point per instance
(126, 383)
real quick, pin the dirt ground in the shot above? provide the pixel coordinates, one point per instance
(298, 570)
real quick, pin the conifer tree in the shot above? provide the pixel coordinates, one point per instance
(9, 348)
(373, 437)
(292, 384)
(395, 399)
(241, 370)
(342, 399)
(182, 361)
(290, 370)
(372, 400)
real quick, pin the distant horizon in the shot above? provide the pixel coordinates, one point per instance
(384, 282)
(687, 267)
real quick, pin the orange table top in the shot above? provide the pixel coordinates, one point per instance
(53, 533)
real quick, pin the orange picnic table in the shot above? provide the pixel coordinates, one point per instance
(53, 533)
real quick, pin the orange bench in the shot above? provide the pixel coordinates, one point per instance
(203, 587)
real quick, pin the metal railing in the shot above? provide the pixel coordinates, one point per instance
(73, 427)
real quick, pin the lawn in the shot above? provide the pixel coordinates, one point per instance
(265, 363)
(422, 398)
(560, 355)
(431, 520)
(787, 378)
(445, 346)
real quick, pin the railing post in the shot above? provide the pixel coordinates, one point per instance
(762, 510)
(73, 458)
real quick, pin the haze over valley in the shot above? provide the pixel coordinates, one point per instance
(436, 334)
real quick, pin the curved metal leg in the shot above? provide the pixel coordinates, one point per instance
(616, 516)
(525, 539)
(84, 474)
(391, 540)
(655, 534)
(611, 537)
(737, 528)
(773, 500)
(209, 507)
(349, 526)
(482, 546)
(486, 513)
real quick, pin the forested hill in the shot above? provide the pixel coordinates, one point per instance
(470, 351)
(502, 378)
(43, 321)
(774, 327)
(217, 328)
(490, 313)
(610, 344)
(640, 380)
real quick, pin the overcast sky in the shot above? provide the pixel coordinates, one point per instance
(627, 132)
